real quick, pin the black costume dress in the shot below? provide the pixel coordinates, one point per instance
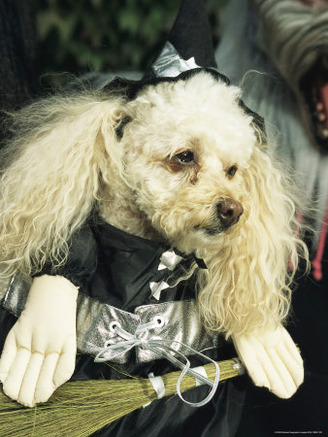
(128, 279)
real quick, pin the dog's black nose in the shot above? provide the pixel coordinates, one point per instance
(229, 211)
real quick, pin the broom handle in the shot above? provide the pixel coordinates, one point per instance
(228, 369)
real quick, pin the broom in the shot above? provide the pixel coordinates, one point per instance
(80, 408)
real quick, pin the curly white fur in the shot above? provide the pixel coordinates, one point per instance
(65, 160)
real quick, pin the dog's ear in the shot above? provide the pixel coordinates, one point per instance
(50, 184)
(121, 125)
(269, 240)
(248, 283)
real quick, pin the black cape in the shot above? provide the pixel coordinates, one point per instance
(116, 268)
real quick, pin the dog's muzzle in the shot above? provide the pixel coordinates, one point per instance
(229, 212)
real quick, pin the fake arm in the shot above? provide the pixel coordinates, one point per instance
(39, 352)
(272, 360)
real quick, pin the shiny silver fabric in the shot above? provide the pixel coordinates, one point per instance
(157, 287)
(13, 296)
(181, 322)
(169, 260)
(170, 64)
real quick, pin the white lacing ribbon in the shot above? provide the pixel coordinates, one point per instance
(163, 349)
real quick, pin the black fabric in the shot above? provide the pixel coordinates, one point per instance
(173, 418)
(126, 265)
(119, 275)
(191, 35)
(116, 268)
(131, 88)
(82, 261)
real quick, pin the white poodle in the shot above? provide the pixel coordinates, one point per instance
(182, 163)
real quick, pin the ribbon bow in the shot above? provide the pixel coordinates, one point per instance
(163, 349)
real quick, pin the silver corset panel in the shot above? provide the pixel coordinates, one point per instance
(180, 323)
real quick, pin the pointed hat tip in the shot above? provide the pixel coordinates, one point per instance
(189, 44)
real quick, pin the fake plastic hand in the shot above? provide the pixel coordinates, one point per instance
(272, 360)
(39, 352)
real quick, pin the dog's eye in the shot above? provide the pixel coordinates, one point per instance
(186, 157)
(231, 171)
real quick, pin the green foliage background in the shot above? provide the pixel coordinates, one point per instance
(106, 35)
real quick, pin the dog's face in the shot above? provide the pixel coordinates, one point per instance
(185, 152)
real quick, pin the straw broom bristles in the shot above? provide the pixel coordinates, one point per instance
(80, 408)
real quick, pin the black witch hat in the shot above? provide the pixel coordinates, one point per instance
(188, 50)
(189, 44)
